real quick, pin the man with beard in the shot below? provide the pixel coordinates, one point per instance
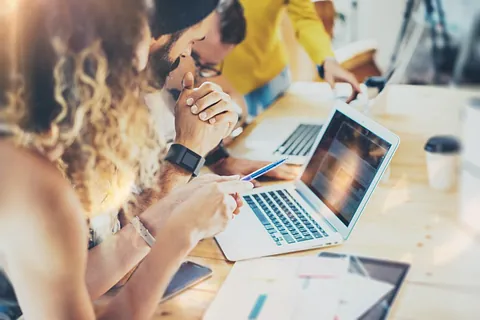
(228, 31)
(175, 27)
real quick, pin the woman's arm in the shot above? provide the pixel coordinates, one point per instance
(181, 232)
(114, 258)
(111, 260)
(43, 237)
(142, 293)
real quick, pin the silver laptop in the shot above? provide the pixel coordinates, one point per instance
(274, 139)
(293, 137)
(321, 208)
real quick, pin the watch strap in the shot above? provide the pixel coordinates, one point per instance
(219, 153)
(321, 70)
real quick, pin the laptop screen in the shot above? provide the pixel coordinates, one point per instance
(344, 165)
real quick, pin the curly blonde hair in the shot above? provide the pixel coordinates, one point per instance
(67, 82)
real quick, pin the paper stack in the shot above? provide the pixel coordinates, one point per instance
(295, 288)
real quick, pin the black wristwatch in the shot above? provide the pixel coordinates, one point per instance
(321, 70)
(185, 158)
(219, 153)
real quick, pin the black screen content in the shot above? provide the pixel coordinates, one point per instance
(344, 165)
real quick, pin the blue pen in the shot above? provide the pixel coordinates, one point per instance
(260, 172)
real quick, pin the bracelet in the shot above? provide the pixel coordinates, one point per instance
(142, 231)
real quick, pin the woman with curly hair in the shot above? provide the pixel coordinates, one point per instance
(75, 139)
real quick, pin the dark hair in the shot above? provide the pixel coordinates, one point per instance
(233, 26)
(170, 16)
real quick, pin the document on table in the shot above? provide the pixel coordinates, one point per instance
(281, 289)
(359, 294)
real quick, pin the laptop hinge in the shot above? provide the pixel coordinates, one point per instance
(312, 206)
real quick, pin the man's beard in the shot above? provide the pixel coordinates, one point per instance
(161, 65)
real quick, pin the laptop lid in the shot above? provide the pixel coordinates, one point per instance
(350, 157)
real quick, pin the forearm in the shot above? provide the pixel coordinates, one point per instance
(114, 258)
(111, 260)
(141, 295)
(169, 178)
(310, 30)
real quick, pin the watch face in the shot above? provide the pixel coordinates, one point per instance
(190, 160)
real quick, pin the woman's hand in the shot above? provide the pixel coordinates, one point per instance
(228, 187)
(208, 209)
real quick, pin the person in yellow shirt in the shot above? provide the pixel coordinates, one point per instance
(252, 65)
(258, 67)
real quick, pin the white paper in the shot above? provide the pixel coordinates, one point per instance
(289, 288)
(320, 300)
(321, 267)
(321, 282)
(359, 294)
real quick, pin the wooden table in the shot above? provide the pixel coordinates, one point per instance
(404, 221)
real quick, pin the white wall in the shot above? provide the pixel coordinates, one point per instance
(380, 20)
(374, 19)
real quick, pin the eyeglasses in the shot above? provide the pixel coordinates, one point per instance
(206, 70)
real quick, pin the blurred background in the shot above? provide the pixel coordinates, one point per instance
(425, 42)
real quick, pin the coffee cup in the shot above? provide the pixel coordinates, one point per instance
(442, 161)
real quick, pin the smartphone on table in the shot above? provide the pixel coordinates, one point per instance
(189, 274)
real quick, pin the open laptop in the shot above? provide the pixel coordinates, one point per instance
(274, 139)
(321, 208)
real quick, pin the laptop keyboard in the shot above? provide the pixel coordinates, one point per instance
(300, 141)
(284, 218)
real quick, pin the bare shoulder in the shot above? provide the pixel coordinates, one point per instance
(35, 198)
(43, 236)
(23, 172)
(17, 164)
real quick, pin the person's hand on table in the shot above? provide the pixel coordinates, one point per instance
(243, 167)
(218, 121)
(333, 72)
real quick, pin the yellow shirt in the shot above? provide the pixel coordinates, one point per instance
(262, 56)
